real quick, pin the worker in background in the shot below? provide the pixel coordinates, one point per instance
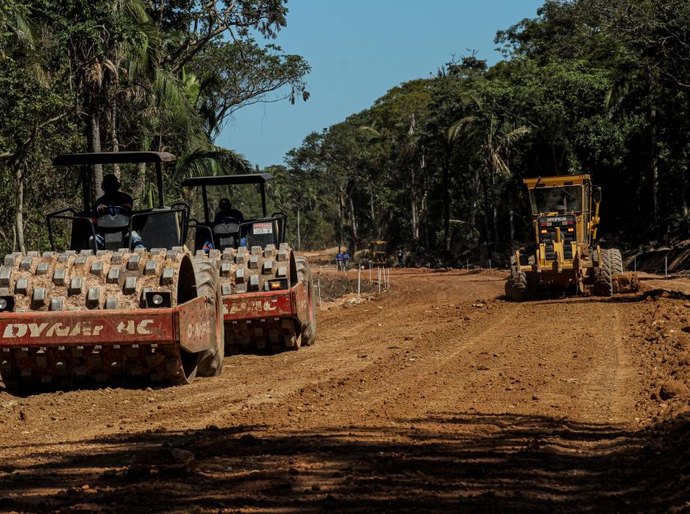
(346, 259)
(339, 260)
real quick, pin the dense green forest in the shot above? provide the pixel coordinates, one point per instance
(434, 166)
(589, 86)
(79, 75)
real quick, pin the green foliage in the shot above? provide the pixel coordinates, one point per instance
(589, 86)
(117, 75)
(433, 166)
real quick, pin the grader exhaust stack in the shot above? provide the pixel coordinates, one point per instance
(564, 257)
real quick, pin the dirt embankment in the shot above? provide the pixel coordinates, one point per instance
(437, 396)
(674, 259)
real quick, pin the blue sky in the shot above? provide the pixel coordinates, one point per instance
(358, 50)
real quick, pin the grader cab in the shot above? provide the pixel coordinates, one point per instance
(564, 257)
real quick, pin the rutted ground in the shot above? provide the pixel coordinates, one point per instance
(435, 396)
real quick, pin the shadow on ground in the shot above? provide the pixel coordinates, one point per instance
(438, 464)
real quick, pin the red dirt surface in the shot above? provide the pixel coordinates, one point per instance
(435, 396)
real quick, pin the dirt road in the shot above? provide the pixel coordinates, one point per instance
(436, 396)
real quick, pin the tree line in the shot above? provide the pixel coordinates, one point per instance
(435, 166)
(114, 75)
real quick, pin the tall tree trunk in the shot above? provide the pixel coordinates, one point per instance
(113, 134)
(653, 139)
(372, 213)
(353, 224)
(299, 234)
(414, 208)
(684, 194)
(19, 206)
(95, 146)
(494, 215)
(512, 229)
(654, 164)
(487, 207)
(341, 213)
(446, 200)
(423, 204)
(475, 191)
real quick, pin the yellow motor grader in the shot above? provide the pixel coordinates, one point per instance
(378, 253)
(564, 258)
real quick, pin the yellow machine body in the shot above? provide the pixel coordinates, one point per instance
(564, 256)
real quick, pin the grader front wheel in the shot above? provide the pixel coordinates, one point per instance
(516, 286)
(616, 261)
(603, 275)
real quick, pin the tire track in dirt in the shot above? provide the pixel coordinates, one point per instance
(376, 361)
(609, 385)
(515, 356)
(428, 383)
(531, 358)
(435, 397)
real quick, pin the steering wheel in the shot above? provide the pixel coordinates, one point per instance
(228, 220)
(113, 210)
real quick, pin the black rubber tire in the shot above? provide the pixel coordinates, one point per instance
(616, 261)
(207, 285)
(190, 368)
(516, 286)
(603, 279)
(308, 335)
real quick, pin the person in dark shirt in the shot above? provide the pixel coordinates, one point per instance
(123, 203)
(225, 210)
(113, 197)
(339, 260)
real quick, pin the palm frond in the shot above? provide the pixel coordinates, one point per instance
(457, 128)
(212, 160)
(510, 138)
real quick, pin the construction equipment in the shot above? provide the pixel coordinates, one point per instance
(378, 253)
(90, 314)
(268, 296)
(565, 258)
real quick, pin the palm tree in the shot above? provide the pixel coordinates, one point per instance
(496, 136)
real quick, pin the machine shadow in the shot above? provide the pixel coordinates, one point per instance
(445, 463)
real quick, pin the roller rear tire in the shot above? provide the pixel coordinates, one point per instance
(211, 361)
(308, 336)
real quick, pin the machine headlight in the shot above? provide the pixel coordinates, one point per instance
(158, 299)
(275, 285)
(6, 303)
